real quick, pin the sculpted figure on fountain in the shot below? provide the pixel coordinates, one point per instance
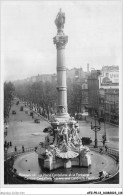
(65, 132)
(73, 132)
(71, 143)
(56, 136)
(65, 147)
(48, 153)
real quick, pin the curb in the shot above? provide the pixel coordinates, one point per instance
(40, 115)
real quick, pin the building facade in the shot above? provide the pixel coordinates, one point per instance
(93, 93)
(109, 77)
(109, 94)
(85, 97)
(112, 105)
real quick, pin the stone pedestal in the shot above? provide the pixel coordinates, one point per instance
(85, 160)
(48, 163)
(52, 163)
(67, 164)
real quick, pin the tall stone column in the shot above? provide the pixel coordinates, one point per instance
(61, 40)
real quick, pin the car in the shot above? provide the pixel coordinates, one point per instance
(78, 116)
(37, 120)
(47, 129)
(13, 112)
(17, 102)
(86, 140)
(101, 119)
(85, 114)
(21, 108)
(31, 114)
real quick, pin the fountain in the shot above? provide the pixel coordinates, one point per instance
(63, 146)
(62, 158)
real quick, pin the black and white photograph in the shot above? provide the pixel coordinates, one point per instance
(61, 101)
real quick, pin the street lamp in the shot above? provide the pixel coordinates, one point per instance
(104, 137)
(95, 128)
(104, 119)
(104, 128)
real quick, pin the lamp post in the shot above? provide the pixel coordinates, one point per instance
(95, 128)
(105, 129)
(104, 136)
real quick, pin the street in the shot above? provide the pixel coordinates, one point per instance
(23, 131)
(112, 133)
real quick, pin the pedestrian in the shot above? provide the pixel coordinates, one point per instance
(103, 143)
(15, 171)
(10, 143)
(22, 148)
(117, 159)
(7, 144)
(53, 179)
(106, 148)
(101, 150)
(100, 175)
(35, 149)
(15, 149)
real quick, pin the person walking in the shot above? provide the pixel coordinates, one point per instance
(35, 149)
(15, 149)
(22, 148)
(106, 148)
(10, 143)
(7, 144)
(101, 150)
(103, 143)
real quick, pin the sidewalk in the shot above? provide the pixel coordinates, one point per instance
(38, 114)
(89, 118)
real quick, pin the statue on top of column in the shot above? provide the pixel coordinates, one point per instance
(60, 20)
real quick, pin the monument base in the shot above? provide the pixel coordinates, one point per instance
(60, 120)
(52, 163)
(63, 146)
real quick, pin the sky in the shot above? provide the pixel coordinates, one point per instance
(27, 30)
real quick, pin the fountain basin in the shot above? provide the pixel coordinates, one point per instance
(29, 167)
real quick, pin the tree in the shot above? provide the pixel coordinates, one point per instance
(43, 94)
(8, 97)
(74, 96)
